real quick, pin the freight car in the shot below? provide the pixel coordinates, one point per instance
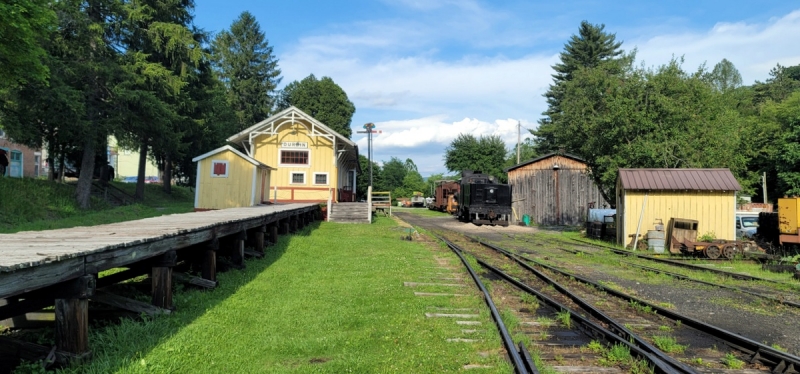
(444, 196)
(482, 200)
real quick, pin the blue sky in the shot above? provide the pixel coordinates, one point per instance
(426, 70)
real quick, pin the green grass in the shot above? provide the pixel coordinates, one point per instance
(668, 344)
(732, 362)
(34, 204)
(564, 317)
(327, 300)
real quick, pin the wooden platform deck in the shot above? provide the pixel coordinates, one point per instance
(61, 266)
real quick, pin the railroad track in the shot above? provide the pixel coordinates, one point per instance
(779, 299)
(564, 343)
(685, 265)
(759, 355)
(640, 328)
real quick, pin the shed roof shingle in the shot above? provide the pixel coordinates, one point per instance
(678, 179)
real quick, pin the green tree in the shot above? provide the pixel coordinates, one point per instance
(412, 181)
(527, 151)
(47, 115)
(661, 117)
(786, 115)
(87, 44)
(394, 172)
(781, 83)
(24, 26)
(588, 49)
(246, 65)
(724, 77)
(162, 53)
(322, 99)
(362, 179)
(486, 154)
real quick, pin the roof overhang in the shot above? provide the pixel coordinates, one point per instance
(247, 158)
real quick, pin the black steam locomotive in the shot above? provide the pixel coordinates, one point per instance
(481, 200)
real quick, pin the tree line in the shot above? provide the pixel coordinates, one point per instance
(615, 113)
(78, 71)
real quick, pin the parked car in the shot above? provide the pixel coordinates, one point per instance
(746, 224)
(151, 180)
(129, 179)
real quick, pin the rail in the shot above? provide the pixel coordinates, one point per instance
(519, 366)
(680, 264)
(779, 361)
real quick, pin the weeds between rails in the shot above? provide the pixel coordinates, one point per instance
(778, 361)
(566, 315)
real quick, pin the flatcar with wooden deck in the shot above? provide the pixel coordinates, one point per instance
(483, 201)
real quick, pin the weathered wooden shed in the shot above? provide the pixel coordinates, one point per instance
(227, 178)
(554, 189)
(650, 195)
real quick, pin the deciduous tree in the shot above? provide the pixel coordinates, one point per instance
(486, 154)
(24, 26)
(322, 99)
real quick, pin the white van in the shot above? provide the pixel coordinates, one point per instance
(746, 225)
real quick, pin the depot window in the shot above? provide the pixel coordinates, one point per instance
(298, 178)
(294, 158)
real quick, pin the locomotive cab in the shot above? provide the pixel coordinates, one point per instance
(482, 200)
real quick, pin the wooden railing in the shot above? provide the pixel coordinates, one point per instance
(327, 191)
(380, 201)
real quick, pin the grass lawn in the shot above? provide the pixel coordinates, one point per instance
(329, 299)
(33, 204)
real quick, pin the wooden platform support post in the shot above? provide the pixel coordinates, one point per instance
(72, 315)
(210, 261)
(259, 238)
(293, 224)
(273, 233)
(285, 226)
(238, 248)
(161, 278)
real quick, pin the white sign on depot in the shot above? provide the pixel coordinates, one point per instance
(294, 144)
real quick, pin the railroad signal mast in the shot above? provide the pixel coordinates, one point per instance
(369, 129)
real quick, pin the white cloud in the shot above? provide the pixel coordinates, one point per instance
(425, 139)
(399, 76)
(754, 48)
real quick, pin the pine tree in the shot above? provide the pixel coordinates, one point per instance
(590, 48)
(244, 62)
(86, 42)
(161, 52)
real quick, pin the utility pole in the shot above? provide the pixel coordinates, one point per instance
(369, 130)
(518, 139)
(764, 186)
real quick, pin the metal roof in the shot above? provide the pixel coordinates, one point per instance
(678, 180)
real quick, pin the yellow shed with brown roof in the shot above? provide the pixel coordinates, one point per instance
(652, 195)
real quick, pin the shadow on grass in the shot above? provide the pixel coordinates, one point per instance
(117, 346)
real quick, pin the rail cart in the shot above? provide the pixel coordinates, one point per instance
(714, 249)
